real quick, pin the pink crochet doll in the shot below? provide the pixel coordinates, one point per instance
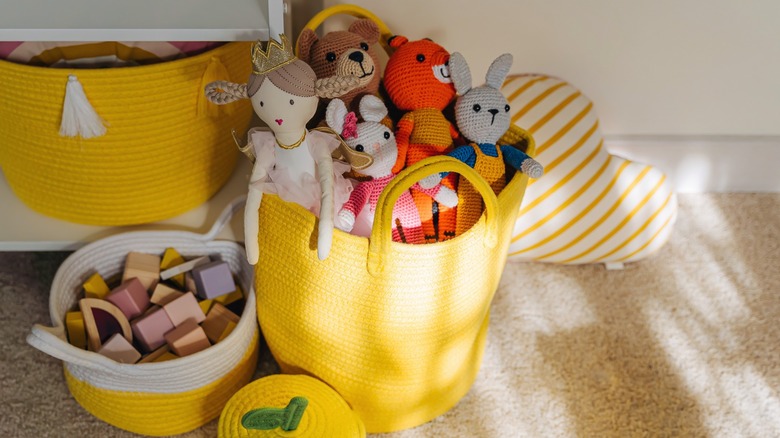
(372, 150)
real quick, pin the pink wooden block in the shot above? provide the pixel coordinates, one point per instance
(183, 308)
(213, 279)
(149, 330)
(188, 338)
(131, 298)
(119, 349)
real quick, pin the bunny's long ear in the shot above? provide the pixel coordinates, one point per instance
(372, 109)
(460, 73)
(498, 70)
(335, 114)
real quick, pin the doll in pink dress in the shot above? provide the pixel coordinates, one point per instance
(290, 161)
(376, 143)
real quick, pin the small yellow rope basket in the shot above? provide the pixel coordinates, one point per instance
(158, 399)
(165, 149)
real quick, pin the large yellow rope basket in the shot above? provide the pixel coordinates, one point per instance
(397, 329)
(158, 399)
(164, 151)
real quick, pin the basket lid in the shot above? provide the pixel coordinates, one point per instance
(290, 406)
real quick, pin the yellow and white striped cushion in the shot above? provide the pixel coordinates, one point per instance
(590, 206)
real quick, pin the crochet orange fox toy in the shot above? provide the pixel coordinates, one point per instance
(417, 80)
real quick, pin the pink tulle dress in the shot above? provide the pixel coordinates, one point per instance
(292, 173)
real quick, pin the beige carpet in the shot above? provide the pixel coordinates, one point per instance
(686, 343)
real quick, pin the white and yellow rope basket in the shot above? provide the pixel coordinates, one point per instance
(164, 398)
(163, 150)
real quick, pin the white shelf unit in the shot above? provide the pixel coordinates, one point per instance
(22, 229)
(141, 20)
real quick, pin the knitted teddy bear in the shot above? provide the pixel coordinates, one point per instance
(482, 116)
(344, 53)
(417, 81)
(373, 151)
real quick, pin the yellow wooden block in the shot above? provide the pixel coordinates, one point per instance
(96, 287)
(166, 356)
(172, 258)
(228, 329)
(77, 332)
(155, 355)
(205, 306)
(231, 297)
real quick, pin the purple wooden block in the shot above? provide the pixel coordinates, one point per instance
(150, 330)
(131, 298)
(213, 279)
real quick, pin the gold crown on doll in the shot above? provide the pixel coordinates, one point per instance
(274, 56)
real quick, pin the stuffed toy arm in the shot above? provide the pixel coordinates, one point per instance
(345, 220)
(325, 175)
(253, 200)
(441, 194)
(521, 161)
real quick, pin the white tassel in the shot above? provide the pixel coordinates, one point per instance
(78, 116)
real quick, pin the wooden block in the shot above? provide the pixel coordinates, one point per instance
(102, 320)
(119, 349)
(77, 332)
(189, 283)
(231, 297)
(213, 279)
(163, 294)
(184, 267)
(227, 331)
(156, 354)
(166, 357)
(149, 330)
(184, 308)
(205, 306)
(188, 338)
(217, 320)
(131, 297)
(96, 287)
(144, 267)
(172, 258)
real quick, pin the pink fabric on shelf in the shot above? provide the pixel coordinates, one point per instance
(7, 47)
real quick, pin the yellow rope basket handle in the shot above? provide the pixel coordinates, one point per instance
(381, 232)
(355, 11)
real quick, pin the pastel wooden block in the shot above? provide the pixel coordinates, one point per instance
(213, 279)
(155, 355)
(172, 258)
(217, 320)
(103, 320)
(184, 267)
(184, 308)
(96, 287)
(77, 332)
(226, 331)
(131, 297)
(188, 338)
(189, 283)
(163, 294)
(144, 267)
(149, 330)
(119, 349)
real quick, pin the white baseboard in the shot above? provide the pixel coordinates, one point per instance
(697, 164)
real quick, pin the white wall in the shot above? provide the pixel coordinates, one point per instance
(669, 67)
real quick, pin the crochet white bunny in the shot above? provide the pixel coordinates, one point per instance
(373, 152)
